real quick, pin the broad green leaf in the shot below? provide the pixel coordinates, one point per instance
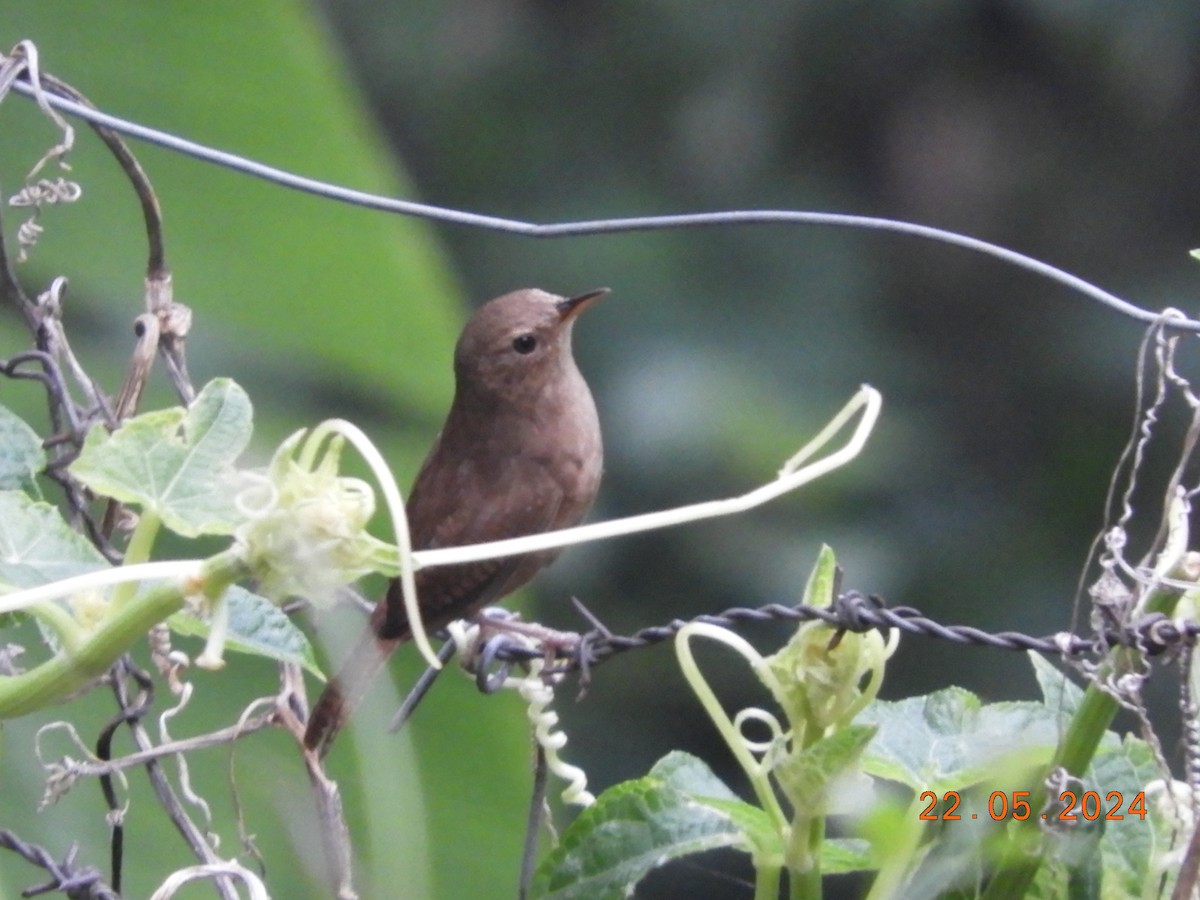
(256, 627)
(318, 308)
(21, 453)
(842, 855)
(692, 775)
(1058, 691)
(37, 546)
(949, 740)
(1129, 843)
(635, 827)
(760, 835)
(175, 463)
(809, 776)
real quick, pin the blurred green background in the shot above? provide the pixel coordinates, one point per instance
(1067, 131)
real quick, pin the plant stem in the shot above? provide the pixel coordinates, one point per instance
(69, 671)
(901, 857)
(804, 883)
(766, 882)
(141, 542)
(1075, 751)
(52, 616)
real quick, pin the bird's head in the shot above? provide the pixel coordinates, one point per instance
(519, 344)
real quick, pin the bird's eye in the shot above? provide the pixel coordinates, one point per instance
(524, 343)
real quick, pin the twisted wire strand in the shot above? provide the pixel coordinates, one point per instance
(77, 882)
(54, 98)
(852, 611)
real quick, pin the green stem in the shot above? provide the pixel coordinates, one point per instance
(52, 616)
(1091, 720)
(766, 882)
(141, 542)
(1075, 751)
(804, 882)
(900, 857)
(69, 671)
(212, 658)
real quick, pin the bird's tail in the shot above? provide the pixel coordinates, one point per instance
(345, 692)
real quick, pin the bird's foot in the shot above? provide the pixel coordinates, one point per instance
(494, 620)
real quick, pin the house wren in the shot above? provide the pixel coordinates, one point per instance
(519, 454)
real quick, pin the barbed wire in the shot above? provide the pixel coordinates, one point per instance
(77, 882)
(429, 212)
(851, 611)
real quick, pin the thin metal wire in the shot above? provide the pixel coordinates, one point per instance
(588, 227)
(77, 882)
(852, 611)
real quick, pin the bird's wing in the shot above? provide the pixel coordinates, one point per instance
(438, 518)
(446, 593)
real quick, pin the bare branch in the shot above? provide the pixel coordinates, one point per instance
(131, 714)
(11, 291)
(335, 835)
(183, 745)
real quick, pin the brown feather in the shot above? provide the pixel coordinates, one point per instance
(520, 454)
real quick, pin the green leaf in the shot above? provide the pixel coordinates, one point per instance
(1129, 844)
(759, 833)
(842, 855)
(808, 776)
(690, 774)
(636, 826)
(948, 739)
(175, 463)
(1058, 692)
(37, 546)
(818, 590)
(21, 454)
(256, 627)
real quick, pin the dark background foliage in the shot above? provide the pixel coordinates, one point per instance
(1067, 132)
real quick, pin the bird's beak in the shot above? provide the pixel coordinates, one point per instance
(570, 307)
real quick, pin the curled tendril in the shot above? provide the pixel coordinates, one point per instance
(745, 751)
(537, 690)
(257, 497)
(754, 714)
(63, 772)
(47, 192)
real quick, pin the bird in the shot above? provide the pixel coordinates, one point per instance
(520, 453)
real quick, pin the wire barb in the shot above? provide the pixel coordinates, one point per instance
(81, 882)
(1154, 634)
